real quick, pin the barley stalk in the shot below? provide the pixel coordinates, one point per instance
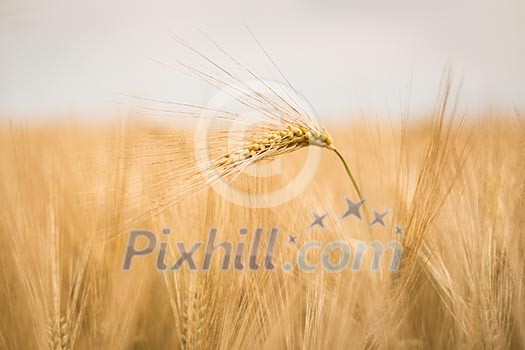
(59, 338)
(271, 143)
(278, 124)
(194, 316)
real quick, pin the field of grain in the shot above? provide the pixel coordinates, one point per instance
(72, 191)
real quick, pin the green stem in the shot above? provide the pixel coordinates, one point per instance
(348, 172)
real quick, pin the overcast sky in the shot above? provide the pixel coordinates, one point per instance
(58, 57)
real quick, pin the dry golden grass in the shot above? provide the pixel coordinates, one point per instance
(71, 193)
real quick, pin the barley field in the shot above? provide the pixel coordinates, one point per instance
(72, 191)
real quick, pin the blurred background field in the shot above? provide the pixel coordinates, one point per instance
(71, 192)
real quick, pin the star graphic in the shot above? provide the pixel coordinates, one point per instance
(399, 230)
(353, 208)
(379, 218)
(318, 220)
(291, 239)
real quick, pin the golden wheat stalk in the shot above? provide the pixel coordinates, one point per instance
(271, 143)
(278, 124)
